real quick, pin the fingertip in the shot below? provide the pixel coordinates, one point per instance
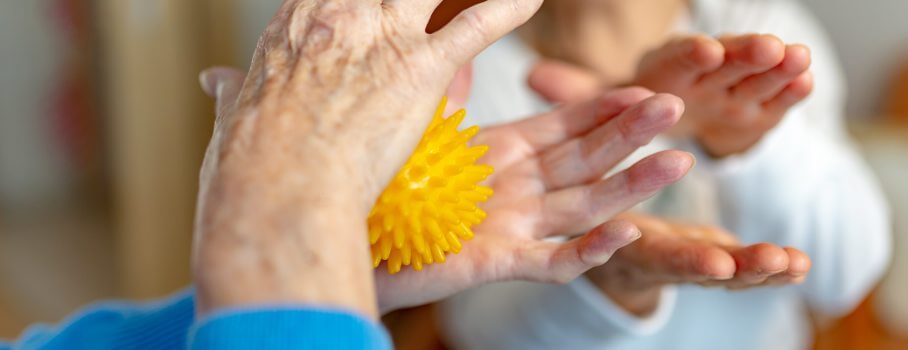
(704, 52)
(459, 90)
(680, 161)
(674, 106)
(797, 58)
(757, 50)
(660, 169)
(798, 262)
(765, 50)
(650, 117)
(209, 82)
(715, 264)
(766, 258)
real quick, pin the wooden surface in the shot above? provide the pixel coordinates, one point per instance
(896, 106)
(859, 330)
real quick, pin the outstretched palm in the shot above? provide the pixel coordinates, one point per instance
(548, 183)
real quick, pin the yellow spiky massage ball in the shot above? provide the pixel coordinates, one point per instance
(432, 202)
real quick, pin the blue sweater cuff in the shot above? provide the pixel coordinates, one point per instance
(118, 325)
(287, 328)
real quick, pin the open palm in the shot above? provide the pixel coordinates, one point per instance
(549, 183)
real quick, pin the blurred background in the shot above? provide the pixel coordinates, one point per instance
(102, 129)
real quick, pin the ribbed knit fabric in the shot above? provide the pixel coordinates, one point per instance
(287, 328)
(166, 325)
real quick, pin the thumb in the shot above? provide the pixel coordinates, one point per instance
(560, 82)
(223, 84)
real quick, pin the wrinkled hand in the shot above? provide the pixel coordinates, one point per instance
(675, 253)
(548, 183)
(736, 88)
(292, 165)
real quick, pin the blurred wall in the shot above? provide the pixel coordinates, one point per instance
(252, 17)
(77, 226)
(872, 41)
(31, 168)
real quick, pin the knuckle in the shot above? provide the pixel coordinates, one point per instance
(478, 23)
(627, 132)
(736, 113)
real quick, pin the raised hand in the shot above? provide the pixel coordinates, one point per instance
(675, 253)
(548, 183)
(736, 88)
(292, 169)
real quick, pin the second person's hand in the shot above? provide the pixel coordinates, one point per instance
(549, 183)
(736, 88)
(672, 253)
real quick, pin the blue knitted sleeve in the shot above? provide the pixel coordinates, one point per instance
(170, 324)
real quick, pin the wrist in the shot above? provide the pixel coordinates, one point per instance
(283, 249)
(728, 144)
(634, 295)
(638, 302)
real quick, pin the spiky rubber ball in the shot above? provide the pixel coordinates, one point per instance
(431, 205)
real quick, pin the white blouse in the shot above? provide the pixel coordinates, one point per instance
(803, 185)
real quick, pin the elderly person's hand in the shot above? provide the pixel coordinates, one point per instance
(337, 97)
(548, 183)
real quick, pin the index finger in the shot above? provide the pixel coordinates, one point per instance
(570, 121)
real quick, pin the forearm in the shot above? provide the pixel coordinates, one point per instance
(284, 247)
(635, 298)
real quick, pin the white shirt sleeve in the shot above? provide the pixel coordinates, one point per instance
(807, 190)
(522, 315)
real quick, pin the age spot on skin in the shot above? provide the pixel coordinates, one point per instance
(318, 37)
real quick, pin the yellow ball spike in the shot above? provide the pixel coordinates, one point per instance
(432, 202)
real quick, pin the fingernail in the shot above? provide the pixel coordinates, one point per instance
(693, 160)
(209, 83)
